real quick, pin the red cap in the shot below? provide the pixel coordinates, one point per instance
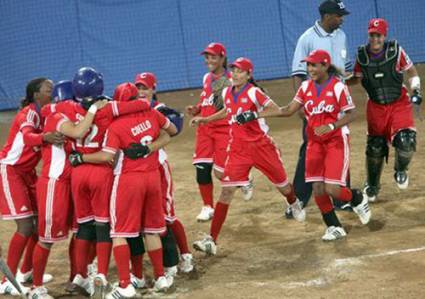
(243, 64)
(318, 56)
(215, 49)
(378, 26)
(146, 79)
(125, 92)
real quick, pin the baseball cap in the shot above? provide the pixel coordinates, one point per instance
(125, 92)
(318, 56)
(333, 7)
(215, 49)
(243, 64)
(378, 26)
(146, 79)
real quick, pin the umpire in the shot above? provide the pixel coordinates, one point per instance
(325, 35)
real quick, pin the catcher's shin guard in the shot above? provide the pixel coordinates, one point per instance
(405, 145)
(376, 152)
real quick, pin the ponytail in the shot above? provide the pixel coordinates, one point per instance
(225, 63)
(32, 87)
(155, 97)
(253, 82)
(334, 71)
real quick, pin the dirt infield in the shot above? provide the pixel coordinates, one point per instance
(263, 255)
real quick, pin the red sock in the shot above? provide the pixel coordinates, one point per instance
(92, 253)
(40, 257)
(345, 194)
(16, 249)
(324, 203)
(157, 262)
(137, 265)
(291, 197)
(72, 259)
(122, 259)
(82, 247)
(103, 251)
(180, 235)
(220, 214)
(207, 194)
(27, 263)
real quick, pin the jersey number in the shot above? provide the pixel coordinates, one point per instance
(146, 140)
(87, 141)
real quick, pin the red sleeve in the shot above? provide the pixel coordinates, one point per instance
(299, 96)
(403, 63)
(357, 71)
(111, 142)
(345, 100)
(54, 122)
(30, 138)
(28, 118)
(262, 99)
(164, 122)
(123, 108)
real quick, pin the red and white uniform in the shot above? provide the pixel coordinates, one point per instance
(18, 160)
(54, 186)
(249, 144)
(328, 156)
(211, 138)
(91, 184)
(387, 120)
(136, 199)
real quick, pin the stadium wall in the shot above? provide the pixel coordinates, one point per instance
(120, 38)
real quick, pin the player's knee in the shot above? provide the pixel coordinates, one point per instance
(25, 226)
(376, 147)
(87, 231)
(227, 194)
(218, 174)
(331, 190)
(103, 231)
(405, 140)
(137, 246)
(203, 173)
(318, 189)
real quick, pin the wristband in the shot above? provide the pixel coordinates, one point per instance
(332, 126)
(415, 83)
(93, 109)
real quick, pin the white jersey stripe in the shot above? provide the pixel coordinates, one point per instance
(113, 204)
(15, 152)
(168, 195)
(6, 189)
(49, 208)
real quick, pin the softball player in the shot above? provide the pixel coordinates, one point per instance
(329, 109)
(53, 192)
(380, 67)
(18, 159)
(212, 138)
(249, 146)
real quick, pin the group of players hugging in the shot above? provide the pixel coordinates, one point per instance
(105, 175)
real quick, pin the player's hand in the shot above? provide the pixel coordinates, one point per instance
(197, 120)
(76, 158)
(55, 138)
(192, 110)
(136, 151)
(322, 130)
(100, 104)
(246, 116)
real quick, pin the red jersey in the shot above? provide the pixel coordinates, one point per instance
(206, 101)
(250, 98)
(144, 128)
(15, 151)
(55, 158)
(324, 105)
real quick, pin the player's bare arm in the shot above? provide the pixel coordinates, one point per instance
(350, 116)
(290, 109)
(204, 120)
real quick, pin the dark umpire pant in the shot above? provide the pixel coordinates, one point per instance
(303, 190)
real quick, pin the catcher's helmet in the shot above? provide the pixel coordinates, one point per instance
(87, 83)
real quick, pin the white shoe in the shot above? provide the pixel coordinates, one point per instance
(186, 263)
(138, 283)
(371, 196)
(333, 233)
(100, 285)
(163, 283)
(363, 211)
(401, 179)
(248, 190)
(84, 283)
(7, 288)
(297, 210)
(206, 245)
(27, 277)
(39, 293)
(92, 269)
(206, 214)
(170, 271)
(117, 292)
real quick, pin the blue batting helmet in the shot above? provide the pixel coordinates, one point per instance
(87, 83)
(62, 91)
(174, 116)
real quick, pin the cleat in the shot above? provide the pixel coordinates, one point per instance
(402, 179)
(170, 271)
(206, 245)
(248, 190)
(92, 269)
(83, 285)
(163, 283)
(27, 277)
(100, 285)
(138, 283)
(362, 209)
(118, 292)
(39, 293)
(297, 210)
(288, 213)
(7, 288)
(333, 233)
(206, 214)
(186, 263)
(370, 193)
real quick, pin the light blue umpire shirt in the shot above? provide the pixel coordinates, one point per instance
(316, 38)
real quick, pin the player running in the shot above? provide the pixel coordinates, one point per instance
(249, 146)
(380, 67)
(18, 159)
(329, 109)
